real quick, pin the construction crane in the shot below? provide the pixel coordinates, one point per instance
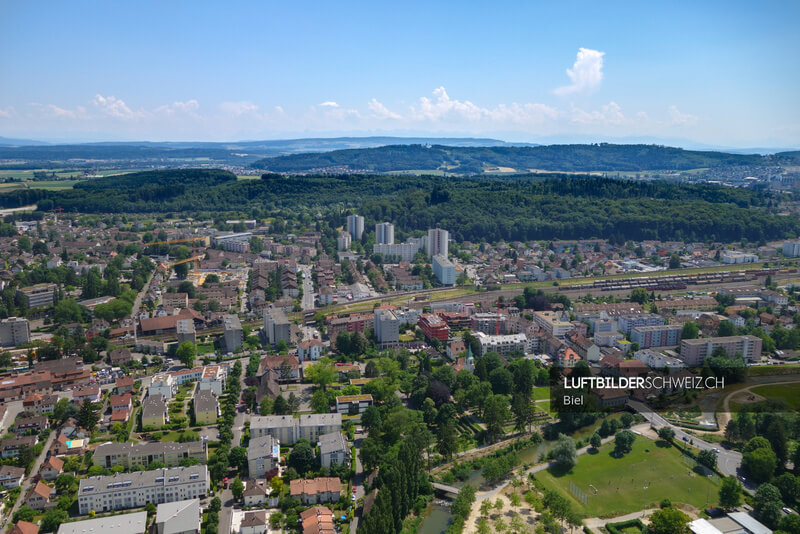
(194, 256)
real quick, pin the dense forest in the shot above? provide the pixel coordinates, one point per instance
(512, 208)
(475, 160)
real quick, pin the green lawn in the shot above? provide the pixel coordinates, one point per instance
(541, 393)
(621, 482)
(790, 393)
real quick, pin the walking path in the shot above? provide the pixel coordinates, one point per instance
(494, 492)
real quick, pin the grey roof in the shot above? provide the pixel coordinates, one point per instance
(204, 401)
(751, 524)
(271, 421)
(142, 479)
(319, 419)
(332, 442)
(154, 405)
(261, 447)
(134, 523)
(278, 421)
(232, 322)
(254, 519)
(11, 471)
(181, 516)
(115, 448)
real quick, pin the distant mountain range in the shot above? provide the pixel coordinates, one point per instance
(456, 155)
(478, 160)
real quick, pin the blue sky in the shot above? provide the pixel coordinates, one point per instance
(721, 73)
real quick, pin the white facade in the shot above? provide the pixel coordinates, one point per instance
(384, 233)
(134, 490)
(444, 270)
(164, 385)
(355, 226)
(387, 326)
(437, 242)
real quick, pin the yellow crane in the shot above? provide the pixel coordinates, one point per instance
(195, 255)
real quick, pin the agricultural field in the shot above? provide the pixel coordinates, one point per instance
(651, 472)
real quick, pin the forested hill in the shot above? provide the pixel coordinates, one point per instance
(517, 207)
(476, 160)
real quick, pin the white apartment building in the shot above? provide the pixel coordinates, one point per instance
(135, 490)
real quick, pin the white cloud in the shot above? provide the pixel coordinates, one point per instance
(7, 112)
(243, 107)
(114, 107)
(611, 114)
(329, 104)
(680, 119)
(586, 73)
(188, 107)
(443, 107)
(382, 112)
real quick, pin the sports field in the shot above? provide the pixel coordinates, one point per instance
(651, 472)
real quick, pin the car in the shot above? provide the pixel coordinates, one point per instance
(353, 498)
(685, 438)
(787, 510)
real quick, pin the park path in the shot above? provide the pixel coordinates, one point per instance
(470, 525)
(724, 416)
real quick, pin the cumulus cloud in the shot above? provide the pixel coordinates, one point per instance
(442, 106)
(188, 107)
(113, 107)
(243, 107)
(677, 118)
(611, 113)
(586, 73)
(382, 112)
(329, 104)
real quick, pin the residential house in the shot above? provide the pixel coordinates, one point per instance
(39, 404)
(118, 357)
(31, 425)
(168, 453)
(317, 490)
(124, 384)
(263, 456)
(287, 429)
(164, 385)
(24, 527)
(41, 497)
(309, 349)
(81, 393)
(353, 404)
(134, 523)
(333, 449)
(10, 447)
(52, 468)
(254, 523)
(10, 476)
(121, 407)
(206, 408)
(181, 517)
(317, 520)
(154, 412)
(106, 493)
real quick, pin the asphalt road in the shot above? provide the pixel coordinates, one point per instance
(727, 461)
(358, 482)
(26, 483)
(308, 289)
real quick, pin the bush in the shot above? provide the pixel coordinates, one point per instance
(617, 528)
